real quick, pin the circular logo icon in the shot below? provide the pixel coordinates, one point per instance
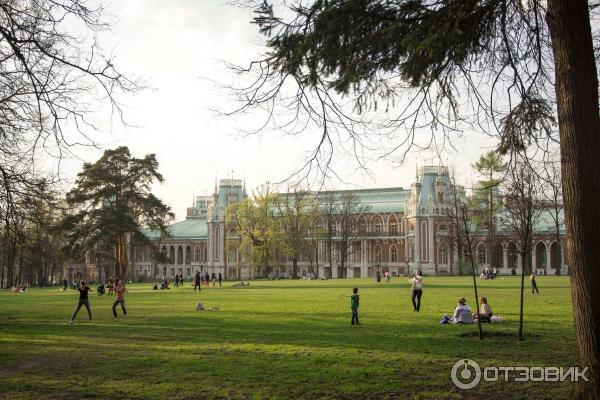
(465, 374)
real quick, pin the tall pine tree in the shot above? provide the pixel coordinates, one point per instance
(111, 203)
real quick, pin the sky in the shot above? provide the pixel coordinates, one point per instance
(179, 49)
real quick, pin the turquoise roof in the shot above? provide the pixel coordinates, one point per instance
(428, 181)
(384, 200)
(543, 223)
(192, 228)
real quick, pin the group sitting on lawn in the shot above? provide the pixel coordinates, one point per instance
(162, 285)
(464, 315)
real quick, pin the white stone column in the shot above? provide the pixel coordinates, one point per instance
(533, 259)
(548, 259)
(562, 257)
(505, 257)
(221, 248)
(405, 248)
(365, 270)
(209, 246)
(455, 266)
(334, 262)
(417, 243)
(431, 243)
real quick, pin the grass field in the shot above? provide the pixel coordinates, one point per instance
(281, 339)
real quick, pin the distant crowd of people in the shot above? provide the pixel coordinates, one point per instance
(489, 273)
(462, 314)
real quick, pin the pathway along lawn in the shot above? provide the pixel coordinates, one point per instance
(280, 339)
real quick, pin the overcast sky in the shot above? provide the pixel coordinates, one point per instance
(177, 47)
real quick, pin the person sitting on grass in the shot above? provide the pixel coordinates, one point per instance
(200, 307)
(100, 289)
(485, 311)
(462, 313)
(242, 284)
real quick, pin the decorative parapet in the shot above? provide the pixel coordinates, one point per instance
(430, 169)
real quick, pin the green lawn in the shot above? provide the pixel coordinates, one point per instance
(282, 339)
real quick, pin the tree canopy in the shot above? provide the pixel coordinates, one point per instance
(112, 202)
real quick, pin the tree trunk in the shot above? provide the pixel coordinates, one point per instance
(317, 257)
(579, 126)
(2, 270)
(558, 254)
(99, 268)
(473, 273)
(295, 267)
(10, 262)
(523, 268)
(125, 260)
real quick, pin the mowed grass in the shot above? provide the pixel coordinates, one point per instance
(280, 340)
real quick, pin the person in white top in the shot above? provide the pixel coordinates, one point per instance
(417, 290)
(462, 313)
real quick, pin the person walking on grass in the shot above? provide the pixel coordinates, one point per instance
(177, 280)
(83, 300)
(354, 300)
(197, 282)
(417, 290)
(220, 279)
(120, 291)
(534, 288)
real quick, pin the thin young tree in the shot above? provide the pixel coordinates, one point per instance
(552, 192)
(315, 233)
(491, 166)
(329, 211)
(351, 211)
(295, 218)
(458, 195)
(523, 206)
(469, 231)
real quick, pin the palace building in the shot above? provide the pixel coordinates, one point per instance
(402, 231)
